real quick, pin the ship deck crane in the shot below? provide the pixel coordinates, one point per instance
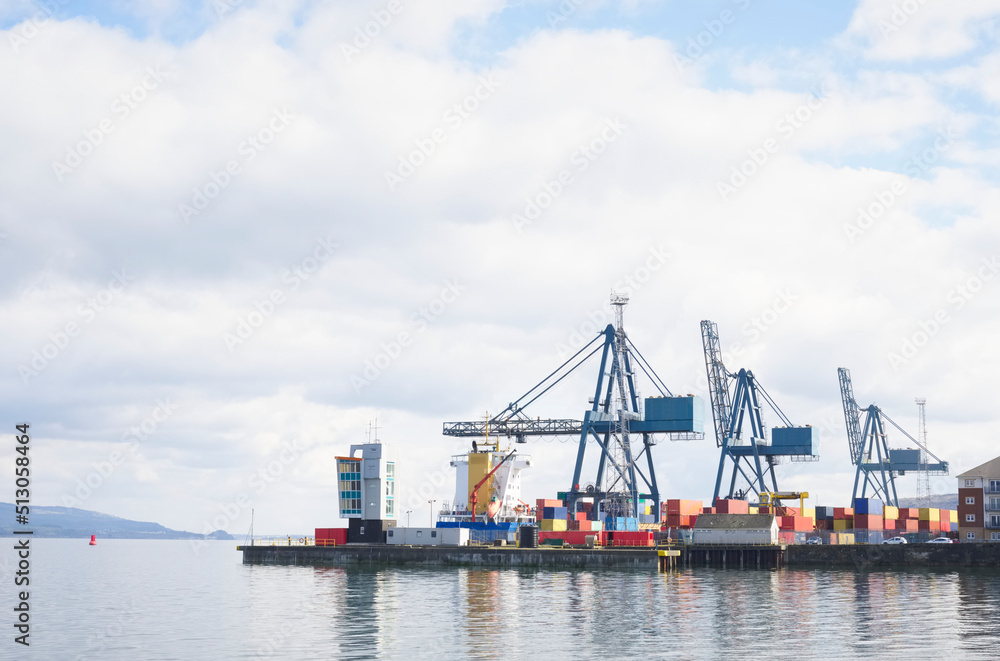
(736, 400)
(614, 419)
(474, 496)
(876, 463)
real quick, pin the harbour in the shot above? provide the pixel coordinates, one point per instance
(857, 556)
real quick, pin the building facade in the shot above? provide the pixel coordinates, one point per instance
(979, 503)
(367, 484)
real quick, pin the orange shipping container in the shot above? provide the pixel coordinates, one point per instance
(724, 506)
(686, 507)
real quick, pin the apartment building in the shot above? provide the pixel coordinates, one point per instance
(979, 503)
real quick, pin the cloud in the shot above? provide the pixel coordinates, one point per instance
(889, 30)
(615, 154)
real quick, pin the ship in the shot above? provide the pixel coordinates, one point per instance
(488, 492)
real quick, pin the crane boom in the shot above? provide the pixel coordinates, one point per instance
(718, 380)
(851, 413)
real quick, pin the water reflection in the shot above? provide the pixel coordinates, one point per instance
(691, 614)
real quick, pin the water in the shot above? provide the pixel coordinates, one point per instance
(127, 599)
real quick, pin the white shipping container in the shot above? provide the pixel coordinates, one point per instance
(454, 536)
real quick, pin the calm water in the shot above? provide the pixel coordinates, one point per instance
(129, 599)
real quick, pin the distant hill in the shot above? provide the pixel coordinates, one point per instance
(73, 522)
(945, 501)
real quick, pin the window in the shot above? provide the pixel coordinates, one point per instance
(994, 520)
(970, 518)
(995, 536)
(970, 535)
(970, 500)
(970, 483)
(994, 485)
(995, 503)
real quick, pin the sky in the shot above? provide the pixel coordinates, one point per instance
(233, 234)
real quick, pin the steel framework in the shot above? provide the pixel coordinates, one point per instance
(735, 401)
(625, 471)
(877, 465)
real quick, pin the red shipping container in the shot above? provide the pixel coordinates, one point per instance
(624, 538)
(542, 503)
(786, 536)
(571, 537)
(932, 526)
(786, 523)
(843, 512)
(581, 516)
(868, 522)
(725, 506)
(706, 510)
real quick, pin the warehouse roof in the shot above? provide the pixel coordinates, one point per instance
(734, 521)
(989, 469)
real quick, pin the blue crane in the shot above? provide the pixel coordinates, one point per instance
(625, 471)
(870, 452)
(736, 400)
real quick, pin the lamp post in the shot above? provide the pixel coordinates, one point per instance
(432, 501)
(408, 518)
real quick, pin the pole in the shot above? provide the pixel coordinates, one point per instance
(432, 501)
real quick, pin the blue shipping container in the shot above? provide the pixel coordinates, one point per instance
(798, 440)
(867, 506)
(675, 408)
(554, 513)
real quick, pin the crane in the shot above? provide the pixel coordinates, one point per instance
(736, 399)
(474, 496)
(614, 420)
(870, 451)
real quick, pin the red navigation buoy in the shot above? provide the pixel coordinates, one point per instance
(93, 540)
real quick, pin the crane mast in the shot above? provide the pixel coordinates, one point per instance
(877, 466)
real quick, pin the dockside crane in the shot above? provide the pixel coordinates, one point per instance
(736, 401)
(624, 431)
(877, 464)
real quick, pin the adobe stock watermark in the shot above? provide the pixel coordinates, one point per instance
(32, 26)
(433, 480)
(581, 159)
(267, 306)
(61, 339)
(365, 34)
(123, 106)
(598, 318)
(759, 156)
(915, 167)
(132, 437)
(454, 117)
(760, 324)
(901, 14)
(219, 180)
(752, 330)
(260, 480)
(957, 298)
(700, 43)
(224, 7)
(419, 322)
(562, 13)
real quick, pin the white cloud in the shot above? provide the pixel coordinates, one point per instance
(917, 30)
(524, 293)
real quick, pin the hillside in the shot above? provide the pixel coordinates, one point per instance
(73, 522)
(947, 501)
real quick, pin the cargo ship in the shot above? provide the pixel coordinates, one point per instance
(488, 493)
